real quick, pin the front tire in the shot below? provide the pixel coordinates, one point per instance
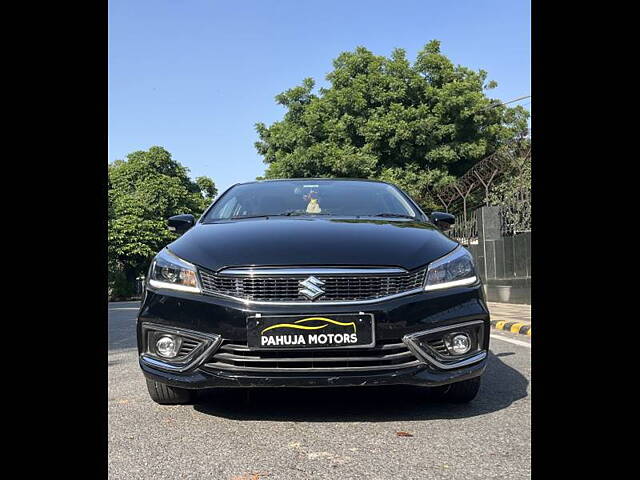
(166, 395)
(460, 392)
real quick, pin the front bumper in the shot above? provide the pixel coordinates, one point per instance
(396, 320)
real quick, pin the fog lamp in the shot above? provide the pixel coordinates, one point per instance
(458, 343)
(167, 346)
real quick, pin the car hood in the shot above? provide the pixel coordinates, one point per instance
(311, 242)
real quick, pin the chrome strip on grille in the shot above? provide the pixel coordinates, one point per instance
(282, 286)
(310, 271)
(240, 358)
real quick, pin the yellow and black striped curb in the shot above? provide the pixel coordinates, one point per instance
(513, 327)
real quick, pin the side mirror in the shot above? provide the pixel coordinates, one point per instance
(443, 220)
(181, 223)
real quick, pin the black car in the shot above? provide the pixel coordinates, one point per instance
(312, 283)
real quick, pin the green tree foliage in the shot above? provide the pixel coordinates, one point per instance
(417, 125)
(144, 191)
(207, 187)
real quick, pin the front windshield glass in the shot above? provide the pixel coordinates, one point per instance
(310, 198)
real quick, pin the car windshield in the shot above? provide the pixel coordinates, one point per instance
(310, 198)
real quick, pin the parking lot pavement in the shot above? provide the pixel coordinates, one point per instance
(319, 433)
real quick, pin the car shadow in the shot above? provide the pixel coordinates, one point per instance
(501, 386)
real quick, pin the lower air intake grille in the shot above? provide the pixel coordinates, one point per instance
(237, 357)
(188, 345)
(439, 347)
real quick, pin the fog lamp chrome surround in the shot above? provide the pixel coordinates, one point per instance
(209, 343)
(411, 340)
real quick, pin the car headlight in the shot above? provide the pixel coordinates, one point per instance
(452, 270)
(169, 271)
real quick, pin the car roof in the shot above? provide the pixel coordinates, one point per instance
(315, 179)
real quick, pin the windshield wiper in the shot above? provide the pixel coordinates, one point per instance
(294, 213)
(246, 216)
(399, 215)
(266, 215)
(242, 217)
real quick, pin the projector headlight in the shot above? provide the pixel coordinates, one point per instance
(452, 270)
(169, 271)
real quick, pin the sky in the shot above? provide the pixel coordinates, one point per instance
(194, 76)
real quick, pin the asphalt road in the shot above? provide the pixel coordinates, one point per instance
(319, 433)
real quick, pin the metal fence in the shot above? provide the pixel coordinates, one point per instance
(515, 215)
(493, 220)
(139, 287)
(502, 255)
(465, 230)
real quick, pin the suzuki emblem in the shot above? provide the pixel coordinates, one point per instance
(311, 288)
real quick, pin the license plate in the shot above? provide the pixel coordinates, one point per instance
(280, 332)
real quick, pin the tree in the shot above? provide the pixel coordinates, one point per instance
(144, 191)
(207, 187)
(418, 126)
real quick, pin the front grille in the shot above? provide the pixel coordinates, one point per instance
(286, 288)
(237, 357)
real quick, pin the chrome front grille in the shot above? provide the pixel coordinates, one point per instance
(237, 357)
(283, 287)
